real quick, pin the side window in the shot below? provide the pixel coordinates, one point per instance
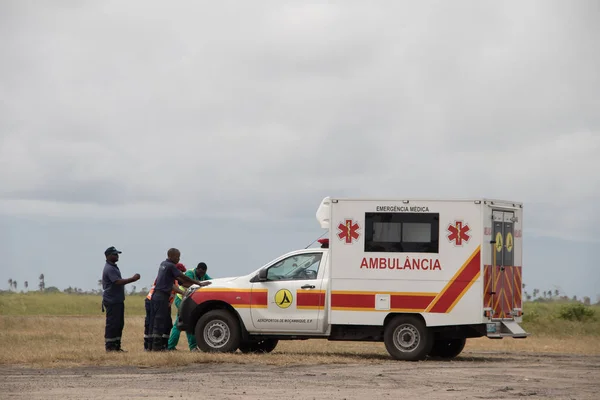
(402, 232)
(299, 267)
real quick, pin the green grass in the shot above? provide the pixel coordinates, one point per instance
(540, 318)
(544, 319)
(56, 304)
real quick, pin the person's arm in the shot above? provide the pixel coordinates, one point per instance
(184, 284)
(134, 278)
(177, 290)
(115, 279)
(193, 281)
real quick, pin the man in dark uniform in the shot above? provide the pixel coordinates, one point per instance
(113, 299)
(160, 318)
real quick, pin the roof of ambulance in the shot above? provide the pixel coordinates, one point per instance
(441, 200)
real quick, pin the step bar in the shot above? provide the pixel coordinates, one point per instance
(505, 328)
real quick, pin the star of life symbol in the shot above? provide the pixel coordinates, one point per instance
(348, 231)
(458, 233)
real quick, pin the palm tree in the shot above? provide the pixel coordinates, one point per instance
(15, 285)
(10, 284)
(26, 285)
(42, 283)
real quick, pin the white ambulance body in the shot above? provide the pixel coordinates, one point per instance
(421, 276)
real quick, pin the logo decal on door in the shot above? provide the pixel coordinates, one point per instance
(498, 242)
(509, 242)
(284, 298)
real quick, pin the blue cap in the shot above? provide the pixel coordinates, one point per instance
(111, 250)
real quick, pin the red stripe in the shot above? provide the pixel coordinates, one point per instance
(353, 300)
(231, 297)
(458, 285)
(310, 299)
(367, 300)
(487, 284)
(259, 298)
(411, 302)
(518, 288)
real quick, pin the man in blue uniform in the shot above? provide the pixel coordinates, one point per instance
(113, 299)
(160, 317)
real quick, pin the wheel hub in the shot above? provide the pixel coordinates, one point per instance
(216, 334)
(406, 338)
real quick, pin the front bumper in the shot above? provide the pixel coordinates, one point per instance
(186, 309)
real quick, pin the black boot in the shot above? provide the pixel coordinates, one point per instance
(158, 344)
(119, 349)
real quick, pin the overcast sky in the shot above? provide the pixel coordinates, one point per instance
(218, 126)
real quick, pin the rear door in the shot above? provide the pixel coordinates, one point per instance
(504, 276)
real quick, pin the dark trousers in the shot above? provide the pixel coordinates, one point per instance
(147, 326)
(160, 320)
(115, 321)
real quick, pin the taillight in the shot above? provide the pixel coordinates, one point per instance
(517, 312)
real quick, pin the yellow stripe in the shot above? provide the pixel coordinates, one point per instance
(507, 301)
(248, 306)
(372, 309)
(496, 282)
(465, 290)
(209, 289)
(390, 293)
(451, 281)
(310, 291)
(499, 294)
(487, 282)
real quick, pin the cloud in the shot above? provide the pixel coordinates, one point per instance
(246, 111)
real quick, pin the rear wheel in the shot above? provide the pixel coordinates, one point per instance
(407, 338)
(260, 346)
(218, 331)
(447, 348)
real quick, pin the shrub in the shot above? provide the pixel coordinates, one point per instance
(575, 312)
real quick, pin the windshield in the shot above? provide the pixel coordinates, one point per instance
(295, 267)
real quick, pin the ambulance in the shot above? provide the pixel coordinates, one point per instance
(421, 276)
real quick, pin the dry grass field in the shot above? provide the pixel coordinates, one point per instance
(57, 330)
(66, 341)
(41, 355)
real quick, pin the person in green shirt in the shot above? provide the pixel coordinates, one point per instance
(199, 273)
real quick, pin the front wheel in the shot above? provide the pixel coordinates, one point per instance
(218, 331)
(260, 346)
(447, 348)
(407, 338)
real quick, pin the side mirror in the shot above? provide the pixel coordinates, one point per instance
(262, 275)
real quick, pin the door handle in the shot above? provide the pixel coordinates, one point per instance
(308, 287)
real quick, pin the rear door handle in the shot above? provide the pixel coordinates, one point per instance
(308, 287)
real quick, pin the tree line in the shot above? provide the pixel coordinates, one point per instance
(13, 286)
(536, 295)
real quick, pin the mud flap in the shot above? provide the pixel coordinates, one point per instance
(502, 329)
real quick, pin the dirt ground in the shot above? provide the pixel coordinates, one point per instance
(471, 376)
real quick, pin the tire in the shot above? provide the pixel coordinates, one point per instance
(447, 348)
(218, 331)
(261, 346)
(407, 338)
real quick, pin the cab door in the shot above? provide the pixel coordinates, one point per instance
(295, 295)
